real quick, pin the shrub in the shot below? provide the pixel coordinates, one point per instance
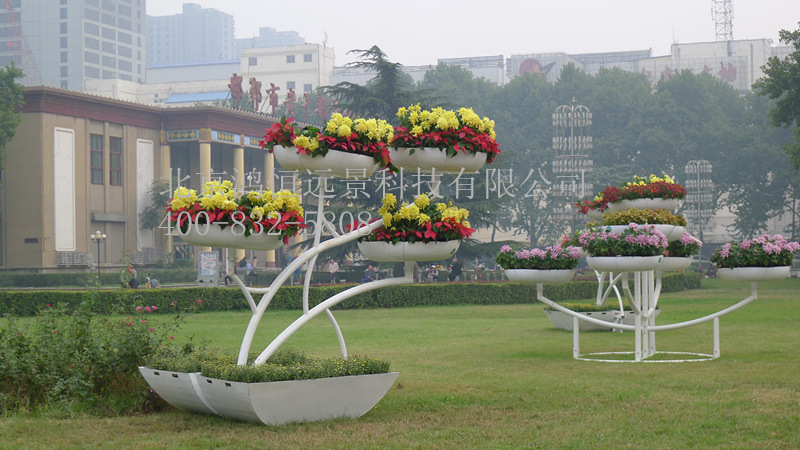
(71, 358)
(643, 216)
(285, 364)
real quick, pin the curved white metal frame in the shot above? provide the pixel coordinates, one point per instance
(643, 302)
(308, 257)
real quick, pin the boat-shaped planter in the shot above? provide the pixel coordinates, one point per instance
(335, 163)
(428, 159)
(279, 402)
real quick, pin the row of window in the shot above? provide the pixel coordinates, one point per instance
(96, 159)
(307, 57)
(307, 87)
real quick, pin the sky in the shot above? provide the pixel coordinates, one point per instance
(414, 32)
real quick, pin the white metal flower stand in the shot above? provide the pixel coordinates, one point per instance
(643, 302)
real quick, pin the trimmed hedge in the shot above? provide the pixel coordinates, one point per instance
(83, 278)
(24, 303)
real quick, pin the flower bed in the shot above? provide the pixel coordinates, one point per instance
(359, 136)
(454, 132)
(763, 251)
(636, 240)
(253, 213)
(420, 221)
(551, 258)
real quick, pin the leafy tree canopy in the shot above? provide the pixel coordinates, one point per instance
(11, 101)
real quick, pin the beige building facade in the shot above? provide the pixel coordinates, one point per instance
(81, 163)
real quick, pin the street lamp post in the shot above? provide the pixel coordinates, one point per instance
(699, 196)
(98, 237)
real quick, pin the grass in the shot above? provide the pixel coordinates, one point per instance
(501, 376)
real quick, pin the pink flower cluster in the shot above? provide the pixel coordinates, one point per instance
(688, 239)
(554, 252)
(588, 236)
(147, 309)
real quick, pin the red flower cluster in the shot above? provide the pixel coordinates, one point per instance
(659, 189)
(281, 133)
(460, 140)
(585, 205)
(377, 150)
(439, 231)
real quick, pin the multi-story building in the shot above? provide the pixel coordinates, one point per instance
(196, 35)
(72, 41)
(269, 37)
(81, 163)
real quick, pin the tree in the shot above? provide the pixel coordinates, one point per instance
(11, 102)
(782, 82)
(151, 216)
(383, 95)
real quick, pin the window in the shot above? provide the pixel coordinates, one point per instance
(307, 57)
(307, 87)
(91, 43)
(64, 72)
(289, 58)
(63, 42)
(63, 13)
(96, 158)
(289, 85)
(115, 161)
(63, 27)
(63, 57)
(252, 61)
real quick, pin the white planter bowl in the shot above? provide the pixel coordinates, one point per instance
(280, 402)
(427, 159)
(623, 263)
(212, 236)
(179, 389)
(335, 163)
(595, 214)
(675, 264)
(670, 204)
(672, 232)
(754, 273)
(404, 251)
(539, 276)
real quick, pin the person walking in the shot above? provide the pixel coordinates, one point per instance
(455, 270)
(251, 269)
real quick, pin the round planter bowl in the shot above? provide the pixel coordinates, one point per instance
(754, 273)
(539, 276)
(428, 159)
(335, 163)
(672, 232)
(675, 263)
(212, 236)
(670, 204)
(405, 251)
(624, 263)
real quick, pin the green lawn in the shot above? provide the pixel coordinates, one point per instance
(501, 376)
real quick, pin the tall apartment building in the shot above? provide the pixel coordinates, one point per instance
(196, 35)
(74, 40)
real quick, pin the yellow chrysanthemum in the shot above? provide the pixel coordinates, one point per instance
(257, 213)
(390, 201)
(183, 197)
(422, 201)
(423, 219)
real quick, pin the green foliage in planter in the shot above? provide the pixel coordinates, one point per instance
(26, 303)
(286, 364)
(643, 216)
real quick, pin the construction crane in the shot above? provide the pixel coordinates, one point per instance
(22, 53)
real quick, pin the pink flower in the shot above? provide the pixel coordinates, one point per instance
(48, 305)
(151, 330)
(538, 253)
(574, 252)
(505, 248)
(172, 337)
(725, 251)
(153, 307)
(199, 301)
(55, 332)
(147, 309)
(745, 245)
(138, 309)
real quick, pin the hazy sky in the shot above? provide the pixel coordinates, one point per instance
(414, 32)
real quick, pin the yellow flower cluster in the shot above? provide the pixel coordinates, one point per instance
(637, 180)
(183, 198)
(306, 142)
(392, 213)
(271, 204)
(339, 125)
(374, 129)
(218, 195)
(440, 119)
